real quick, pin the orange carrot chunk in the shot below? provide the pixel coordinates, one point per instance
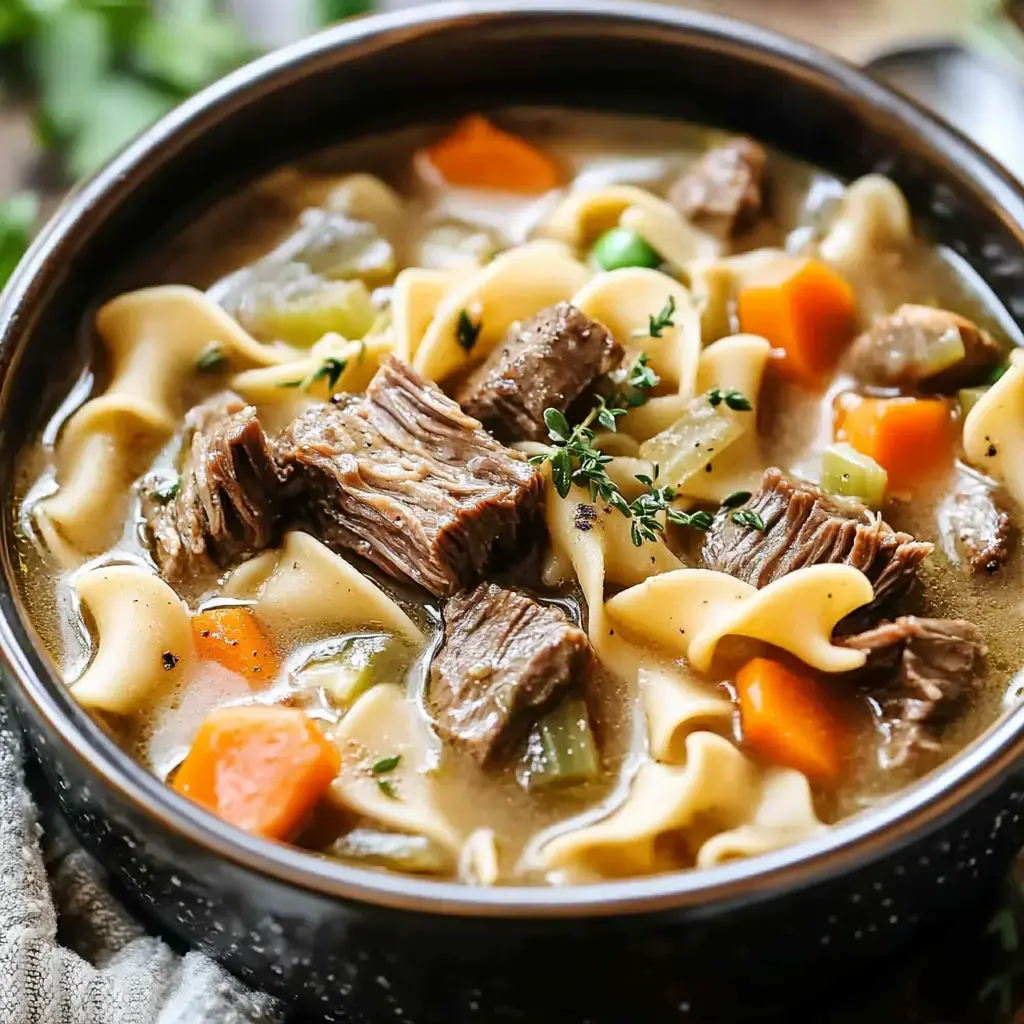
(476, 154)
(806, 310)
(787, 718)
(912, 439)
(259, 768)
(234, 637)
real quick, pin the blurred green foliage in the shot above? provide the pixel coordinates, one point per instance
(100, 71)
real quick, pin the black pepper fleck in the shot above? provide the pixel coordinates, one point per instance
(584, 518)
(169, 660)
(992, 451)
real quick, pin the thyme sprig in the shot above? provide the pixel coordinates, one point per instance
(658, 322)
(575, 460)
(647, 508)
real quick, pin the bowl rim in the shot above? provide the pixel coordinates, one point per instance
(924, 805)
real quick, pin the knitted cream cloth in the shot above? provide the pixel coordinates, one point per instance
(69, 953)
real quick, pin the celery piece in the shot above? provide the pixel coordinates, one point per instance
(299, 307)
(345, 670)
(454, 244)
(849, 474)
(394, 850)
(561, 750)
(337, 247)
(703, 432)
(969, 398)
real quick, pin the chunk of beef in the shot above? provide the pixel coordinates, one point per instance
(403, 477)
(544, 362)
(722, 192)
(899, 351)
(804, 527)
(223, 504)
(976, 529)
(920, 672)
(505, 658)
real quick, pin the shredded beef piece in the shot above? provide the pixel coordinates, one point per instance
(505, 659)
(403, 477)
(921, 672)
(976, 527)
(544, 362)
(722, 192)
(804, 527)
(897, 350)
(225, 501)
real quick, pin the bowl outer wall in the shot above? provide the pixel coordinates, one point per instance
(390, 70)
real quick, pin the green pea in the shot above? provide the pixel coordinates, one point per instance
(623, 247)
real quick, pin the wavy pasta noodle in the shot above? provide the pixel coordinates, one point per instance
(689, 611)
(625, 300)
(873, 217)
(415, 297)
(714, 807)
(143, 639)
(154, 338)
(306, 582)
(514, 286)
(285, 390)
(384, 724)
(994, 432)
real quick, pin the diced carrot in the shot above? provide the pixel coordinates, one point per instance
(787, 717)
(258, 767)
(912, 439)
(806, 310)
(234, 637)
(476, 154)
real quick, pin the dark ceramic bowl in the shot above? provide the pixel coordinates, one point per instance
(345, 944)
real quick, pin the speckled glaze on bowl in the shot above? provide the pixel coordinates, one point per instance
(344, 944)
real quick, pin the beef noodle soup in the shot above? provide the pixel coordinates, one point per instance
(543, 498)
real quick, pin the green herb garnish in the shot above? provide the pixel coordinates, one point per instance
(734, 399)
(166, 492)
(330, 370)
(998, 373)
(736, 499)
(748, 517)
(467, 331)
(574, 459)
(213, 359)
(640, 378)
(387, 788)
(386, 764)
(656, 323)
(646, 508)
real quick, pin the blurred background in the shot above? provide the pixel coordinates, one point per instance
(79, 78)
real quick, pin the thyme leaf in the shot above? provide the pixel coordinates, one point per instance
(748, 517)
(386, 764)
(735, 400)
(467, 331)
(330, 369)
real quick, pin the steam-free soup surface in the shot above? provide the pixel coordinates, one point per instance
(545, 497)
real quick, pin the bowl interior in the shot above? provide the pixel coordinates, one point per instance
(427, 65)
